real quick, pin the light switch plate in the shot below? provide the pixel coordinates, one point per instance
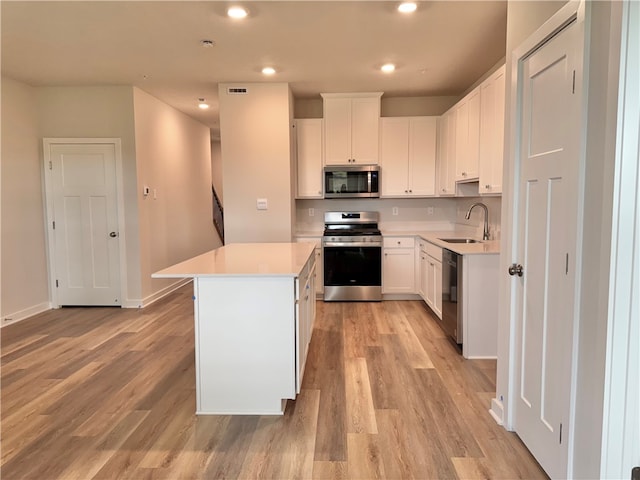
(261, 204)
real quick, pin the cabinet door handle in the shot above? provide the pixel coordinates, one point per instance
(488, 187)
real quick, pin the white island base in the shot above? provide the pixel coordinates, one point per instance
(252, 326)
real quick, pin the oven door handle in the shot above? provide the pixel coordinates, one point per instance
(352, 244)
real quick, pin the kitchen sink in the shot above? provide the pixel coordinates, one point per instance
(460, 240)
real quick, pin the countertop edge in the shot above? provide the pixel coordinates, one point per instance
(213, 270)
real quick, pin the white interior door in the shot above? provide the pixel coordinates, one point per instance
(548, 211)
(83, 197)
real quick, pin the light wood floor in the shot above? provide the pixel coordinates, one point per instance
(110, 393)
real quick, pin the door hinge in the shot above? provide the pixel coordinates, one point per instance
(566, 264)
(50, 165)
(573, 87)
(54, 224)
(560, 434)
(57, 285)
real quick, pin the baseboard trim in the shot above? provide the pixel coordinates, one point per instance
(25, 313)
(400, 296)
(497, 411)
(154, 297)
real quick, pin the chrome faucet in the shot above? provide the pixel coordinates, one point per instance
(485, 233)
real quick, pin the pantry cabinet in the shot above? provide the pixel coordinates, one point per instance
(446, 154)
(492, 114)
(308, 135)
(351, 125)
(408, 156)
(468, 136)
(398, 265)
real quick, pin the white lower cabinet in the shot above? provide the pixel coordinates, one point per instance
(318, 277)
(398, 265)
(431, 276)
(480, 305)
(305, 316)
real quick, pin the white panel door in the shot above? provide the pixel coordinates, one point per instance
(394, 156)
(86, 248)
(422, 155)
(337, 131)
(365, 127)
(547, 196)
(309, 157)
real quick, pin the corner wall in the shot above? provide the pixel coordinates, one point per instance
(173, 157)
(24, 279)
(77, 112)
(255, 137)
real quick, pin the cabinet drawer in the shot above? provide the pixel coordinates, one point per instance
(431, 249)
(399, 242)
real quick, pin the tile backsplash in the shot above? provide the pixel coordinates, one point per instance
(411, 214)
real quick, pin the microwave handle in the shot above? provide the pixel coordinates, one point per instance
(369, 181)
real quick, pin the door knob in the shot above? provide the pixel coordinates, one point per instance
(113, 234)
(516, 269)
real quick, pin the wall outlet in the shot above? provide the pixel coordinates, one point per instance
(312, 212)
(262, 204)
(394, 211)
(429, 210)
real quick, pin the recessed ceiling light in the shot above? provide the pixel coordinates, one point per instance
(268, 70)
(388, 67)
(207, 43)
(237, 12)
(202, 104)
(407, 7)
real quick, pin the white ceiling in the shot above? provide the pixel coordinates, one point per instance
(316, 46)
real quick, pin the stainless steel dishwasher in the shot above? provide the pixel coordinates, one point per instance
(452, 294)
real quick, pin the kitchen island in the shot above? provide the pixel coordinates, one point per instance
(254, 309)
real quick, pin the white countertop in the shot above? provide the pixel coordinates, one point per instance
(244, 259)
(485, 247)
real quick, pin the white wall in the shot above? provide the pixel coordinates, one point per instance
(24, 280)
(255, 136)
(173, 157)
(596, 256)
(100, 112)
(389, 106)
(412, 213)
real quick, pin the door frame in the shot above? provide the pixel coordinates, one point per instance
(49, 212)
(620, 436)
(502, 407)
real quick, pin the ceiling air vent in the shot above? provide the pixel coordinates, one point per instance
(236, 91)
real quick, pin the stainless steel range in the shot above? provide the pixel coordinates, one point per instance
(352, 248)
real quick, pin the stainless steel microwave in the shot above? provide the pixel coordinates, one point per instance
(353, 181)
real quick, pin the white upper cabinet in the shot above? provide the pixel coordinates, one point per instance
(468, 136)
(309, 157)
(492, 98)
(408, 156)
(351, 125)
(446, 156)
